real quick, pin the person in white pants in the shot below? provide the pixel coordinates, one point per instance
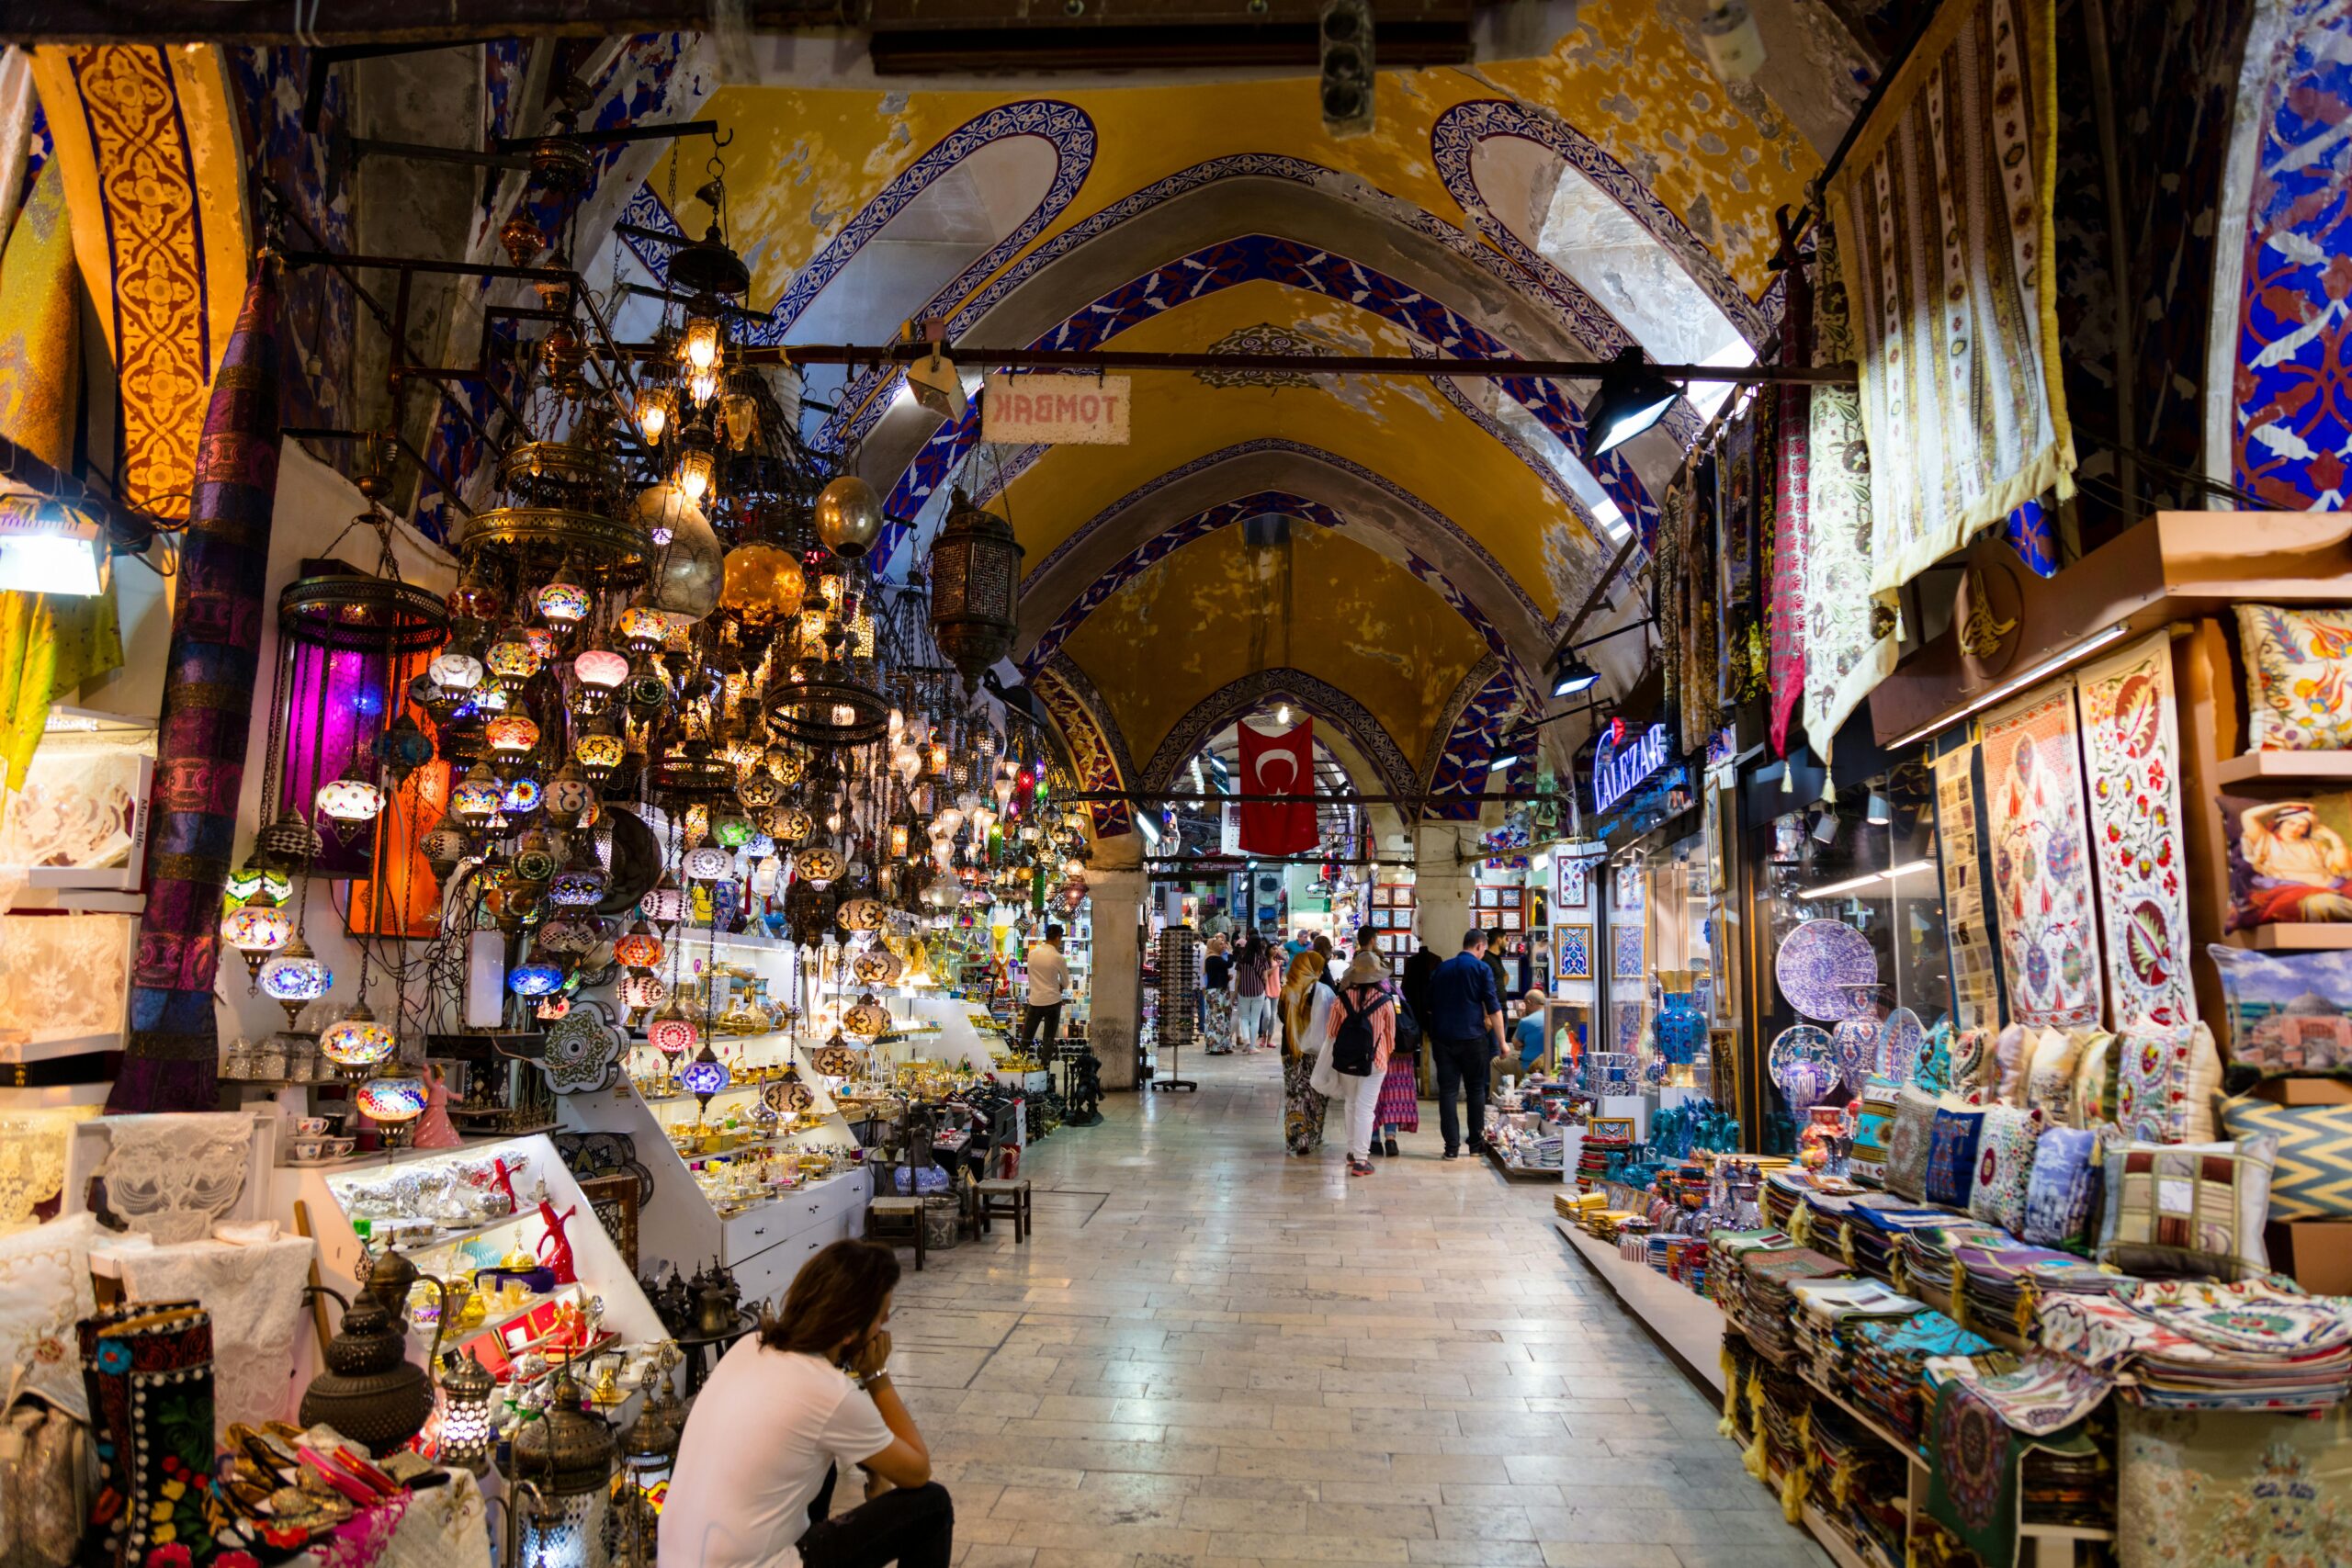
(1365, 994)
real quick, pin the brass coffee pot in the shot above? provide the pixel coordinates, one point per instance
(371, 1391)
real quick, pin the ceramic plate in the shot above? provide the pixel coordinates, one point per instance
(1803, 1062)
(1900, 1043)
(1858, 1042)
(1825, 969)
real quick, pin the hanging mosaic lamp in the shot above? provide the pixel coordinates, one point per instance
(640, 949)
(536, 978)
(672, 1032)
(974, 588)
(598, 755)
(393, 1104)
(867, 1021)
(294, 977)
(820, 866)
(356, 1043)
(705, 1077)
(256, 928)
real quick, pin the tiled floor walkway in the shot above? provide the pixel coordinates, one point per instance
(1212, 1354)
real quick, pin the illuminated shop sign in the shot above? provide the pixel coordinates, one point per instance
(1619, 764)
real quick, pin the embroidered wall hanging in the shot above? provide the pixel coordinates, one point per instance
(1968, 929)
(2129, 742)
(2041, 876)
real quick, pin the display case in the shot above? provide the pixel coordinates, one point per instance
(760, 1175)
(532, 1277)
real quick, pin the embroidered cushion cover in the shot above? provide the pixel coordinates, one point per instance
(2050, 1080)
(1906, 1142)
(2005, 1156)
(2011, 1051)
(44, 1291)
(1972, 1051)
(1952, 1155)
(2095, 1082)
(1873, 1127)
(2312, 1178)
(2296, 675)
(2064, 1188)
(2288, 1012)
(2291, 861)
(2165, 1084)
(2187, 1207)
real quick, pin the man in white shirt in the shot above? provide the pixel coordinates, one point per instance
(1048, 984)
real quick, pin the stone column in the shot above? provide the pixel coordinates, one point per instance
(1115, 1013)
(1442, 885)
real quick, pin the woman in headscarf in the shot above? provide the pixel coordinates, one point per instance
(1307, 1016)
(1217, 997)
(1362, 1035)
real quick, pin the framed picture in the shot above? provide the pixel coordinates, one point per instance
(1508, 919)
(1573, 944)
(614, 1199)
(1610, 1127)
(1625, 948)
(1379, 897)
(1573, 882)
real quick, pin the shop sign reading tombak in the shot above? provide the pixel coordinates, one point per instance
(1062, 410)
(1618, 765)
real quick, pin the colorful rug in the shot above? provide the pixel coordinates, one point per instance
(1944, 204)
(2041, 872)
(2130, 745)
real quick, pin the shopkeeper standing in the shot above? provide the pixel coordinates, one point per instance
(1048, 983)
(783, 1413)
(1465, 1025)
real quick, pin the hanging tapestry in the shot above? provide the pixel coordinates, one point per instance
(1784, 606)
(1700, 626)
(169, 1057)
(1972, 1485)
(1975, 988)
(1667, 573)
(2128, 745)
(1850, 637)
(1742, 495)
(2041, 874)
(1943, 202)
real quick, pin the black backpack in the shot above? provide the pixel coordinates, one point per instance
(1352, 1045)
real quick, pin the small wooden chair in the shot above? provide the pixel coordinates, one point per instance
(1008, 1197)
(889, 1217)
(894, 1220)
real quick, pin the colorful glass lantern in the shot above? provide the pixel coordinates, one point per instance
(731, 832)
(521, 797)
(667, 904)
(512, 659)
(862, 915)
(601, 668)
(349, 801)
(764, 584)
(582, 881)
(790, 825)
(640, 949)
(705, 1075)
(564, 603)
(468, 1431)
(644, 628)
(599, 755)
(568, 936)
(641, 993)
(875, 966)
(758, 789)
(672, 1032)
(820, 866)
(393, 1104)
(786, 766)
(356, 1043)
(256, 928)
(293, 976)
(570, 795)
(456, 670)
(709, 863)
(476, 799)
(869, 1020)
(512, 734)
(536, 978)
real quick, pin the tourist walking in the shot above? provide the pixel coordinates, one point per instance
(1307, 1017)
(1254, 984)
(1352, 1065)
(1217, 997)
(1465, 1025)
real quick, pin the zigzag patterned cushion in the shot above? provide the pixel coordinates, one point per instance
(2313, 1180)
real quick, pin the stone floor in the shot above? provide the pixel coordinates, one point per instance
(1212, 1354)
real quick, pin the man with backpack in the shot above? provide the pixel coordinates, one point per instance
(1354, 1062)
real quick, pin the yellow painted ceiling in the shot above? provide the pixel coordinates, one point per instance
(803, 161)
(1217, 609)
(1400, 429)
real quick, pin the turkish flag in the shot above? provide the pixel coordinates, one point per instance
(1279, 764)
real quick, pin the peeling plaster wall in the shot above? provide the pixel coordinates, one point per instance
(1219, 610)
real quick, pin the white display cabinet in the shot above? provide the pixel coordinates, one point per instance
(440, 1208)
(733, 1194)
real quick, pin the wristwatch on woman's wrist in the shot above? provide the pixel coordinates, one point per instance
(868, 1380)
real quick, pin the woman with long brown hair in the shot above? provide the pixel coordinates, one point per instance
(754, 1483)
(1305, 1014)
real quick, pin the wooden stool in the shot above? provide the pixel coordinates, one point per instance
(899, 1213)
(1008, 1197)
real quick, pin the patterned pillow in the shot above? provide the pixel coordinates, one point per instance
(2289, 860)
(2166, 1081)
(1873, 1126)
(46, 1269)
(2011, 1051)
(2004, 1166)
(2095, 1097)
(1952, 1155)
(2313, 1180)
(1971, 1054)
(1906, 1142)
(2294, 675)
(2064, 1187)
(2050, 1081)
(2186, 1208)
(1935, 1059)
(2288, 1012)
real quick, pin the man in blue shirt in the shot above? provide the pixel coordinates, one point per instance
(1465, 1025)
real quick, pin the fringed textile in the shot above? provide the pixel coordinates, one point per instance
(169, 1060)
(1784, 608)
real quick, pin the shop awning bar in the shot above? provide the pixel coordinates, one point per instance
(1108, 359)
(1342, 797)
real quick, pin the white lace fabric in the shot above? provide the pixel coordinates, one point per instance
(44, 1291)
(255, 1294)
(32, 1160)
(77, 809)
(172, 1177)
(65, 974)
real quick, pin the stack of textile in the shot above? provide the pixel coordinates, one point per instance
(1784, 1409)
(1926, 1255)
(1887, 1364)
(1782, 1192)
(1765, 1308)
(1825, 1309)
(1574, 1206)
(2001, 1282)
(2197, 1345)
(1876, 1226)
(1741, 1366)
(1859, 1484)
(1727, 1248)
(1604, 1222)
(2063, 1488)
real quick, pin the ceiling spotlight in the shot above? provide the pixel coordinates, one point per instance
(1508, 751)
(1571, 675)
(1281, 714)
(936, 386)
(1881, 812)
(1633, 397)
(1825, 828)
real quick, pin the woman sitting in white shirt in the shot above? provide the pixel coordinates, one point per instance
(785, 1408)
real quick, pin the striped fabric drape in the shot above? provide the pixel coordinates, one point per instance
(169, 1056)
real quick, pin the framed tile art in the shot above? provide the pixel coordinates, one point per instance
(1573, 944)
(1625, 951)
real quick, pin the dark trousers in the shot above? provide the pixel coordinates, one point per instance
(1462, 1070)
(1032, 1015)
(914, 1528)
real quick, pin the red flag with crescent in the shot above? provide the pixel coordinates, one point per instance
(1279, 764)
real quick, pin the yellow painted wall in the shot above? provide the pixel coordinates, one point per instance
(1217, 610)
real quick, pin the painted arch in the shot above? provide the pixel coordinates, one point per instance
(1245, 696)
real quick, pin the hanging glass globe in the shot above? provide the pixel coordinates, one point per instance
(512, 659)
(786, 765)
(868, 1021)
(601, 668)
(390, 1102)
(705, 1075)
(758, 789)
(762, 584)
(640, 949)
(641, 992)
(476, 799)
(294, 975)
(512, 733)
(565, 603)
(521, 797)
(356, 1043)
(456, 670)
(256, 928)
(731, 832)
(581, 882)
(862, 915)
(667, 904)
(570, 795)
(789, 825)
(672, 1032)
(568, 936)
(709, 863)
(819, 866)
(349, 801)
(536, 978)
(598, 755)
(766, 874)
(644, 628)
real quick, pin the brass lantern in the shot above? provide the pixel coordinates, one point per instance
(974, 588)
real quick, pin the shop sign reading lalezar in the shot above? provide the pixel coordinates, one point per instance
(1619, 765)
(1061, 410)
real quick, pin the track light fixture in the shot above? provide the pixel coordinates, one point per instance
(1571, 675)
(1631, 397)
